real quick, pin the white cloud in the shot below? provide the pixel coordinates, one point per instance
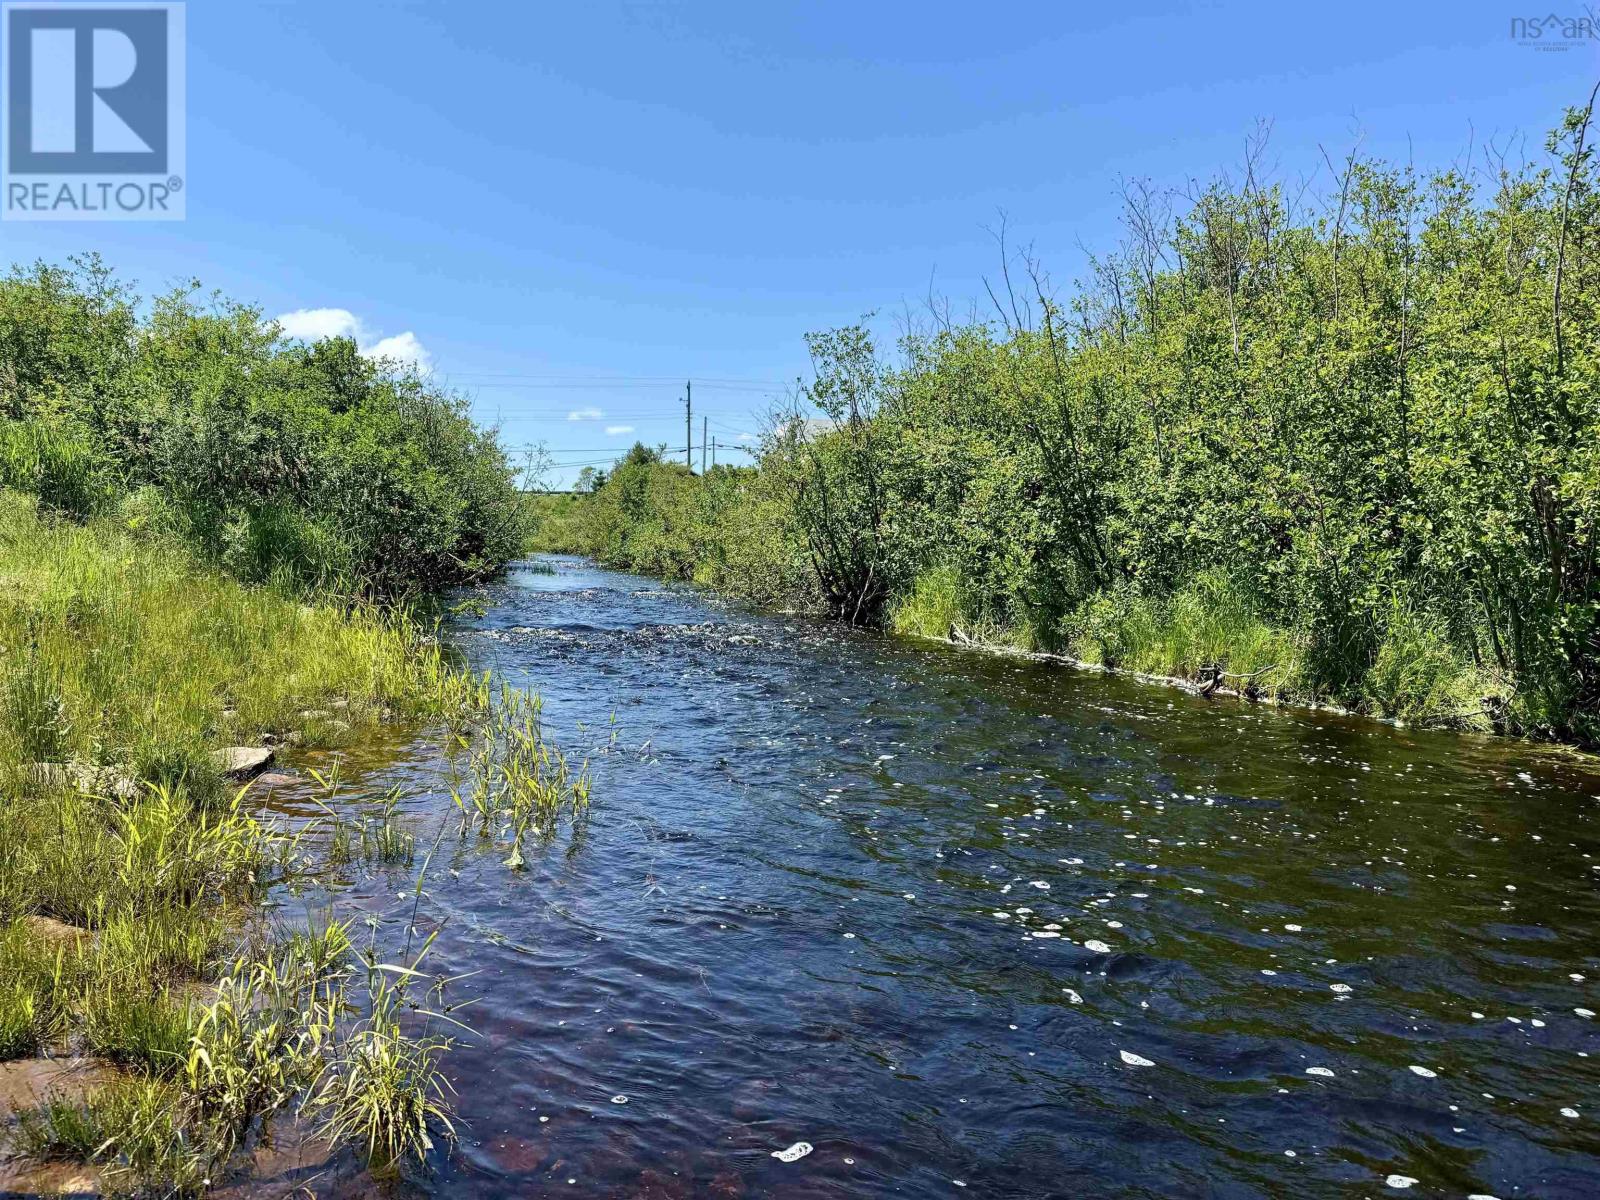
(746, 437)
(618, 430)
(585, 414)
(314, 324)
(402, 347)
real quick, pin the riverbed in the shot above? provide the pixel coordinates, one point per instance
(976, 926)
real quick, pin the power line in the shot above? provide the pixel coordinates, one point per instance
(572, 449)
(582, 382)
(703, 379)
(559, 418)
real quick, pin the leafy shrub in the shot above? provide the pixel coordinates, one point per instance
(1227, 449)
(277, 459)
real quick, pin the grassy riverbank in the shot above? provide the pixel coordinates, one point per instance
(1340, 451)
(130, 868)
(210, 538)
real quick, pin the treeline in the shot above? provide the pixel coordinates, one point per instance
(1348, 452)
(306, 464)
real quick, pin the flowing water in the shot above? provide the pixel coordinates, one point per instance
(979, 926)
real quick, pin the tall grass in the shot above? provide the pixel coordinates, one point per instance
(1210, 632)
(382, 1089)
(130, 875)
(521, 785)
(123, 650)
(932, 608)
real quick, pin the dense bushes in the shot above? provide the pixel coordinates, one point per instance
(731, 529)
(277, 460)
(1351, 453)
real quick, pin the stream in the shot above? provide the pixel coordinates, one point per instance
(971, 925)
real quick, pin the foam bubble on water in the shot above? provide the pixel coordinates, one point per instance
(793, 1153)
(1423, 1071)
(1073, 996)
(1292, 928)
(1341, 988)
(1323, 1071)
(1040, 884)
(1586, 1013)
(1135, 1060)
(1570, 1112)
(619, 1098)
(1400, 1181)
(1098, 947)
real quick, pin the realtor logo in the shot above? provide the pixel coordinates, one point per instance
(93, 125)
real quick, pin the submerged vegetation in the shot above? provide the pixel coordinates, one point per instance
(1346, 453)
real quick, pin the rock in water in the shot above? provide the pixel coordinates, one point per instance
(243, 762)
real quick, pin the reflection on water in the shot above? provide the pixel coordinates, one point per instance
(961, 922)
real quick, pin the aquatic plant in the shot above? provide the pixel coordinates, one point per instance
(521, 785)
(380, 837)
(382, 1089)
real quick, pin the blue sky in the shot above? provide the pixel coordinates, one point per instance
(570, 208)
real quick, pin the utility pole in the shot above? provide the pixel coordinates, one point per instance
(704, 422)
(688, 424)
(713, 454)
